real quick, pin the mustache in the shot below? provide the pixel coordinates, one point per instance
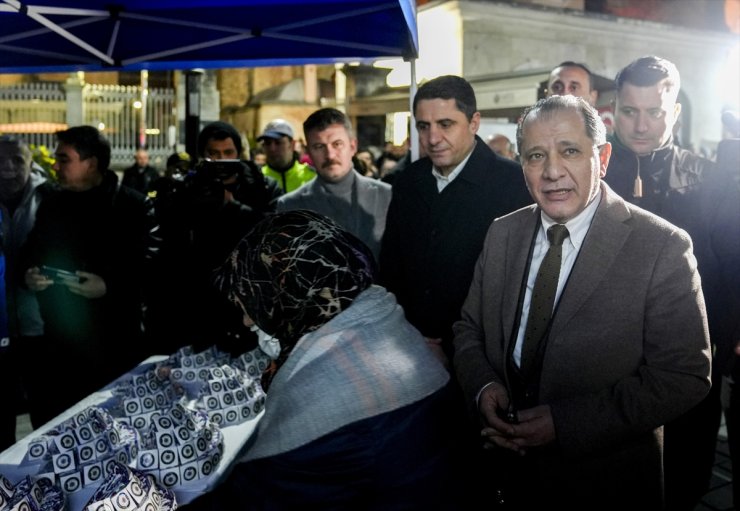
(329, 163)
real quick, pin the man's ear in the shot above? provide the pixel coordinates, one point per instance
(475, 122)
(605, 152)
(593, 96)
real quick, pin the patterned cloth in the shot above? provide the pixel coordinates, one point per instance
(294, 272)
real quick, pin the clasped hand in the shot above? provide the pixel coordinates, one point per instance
(90, 285)
(534, 426)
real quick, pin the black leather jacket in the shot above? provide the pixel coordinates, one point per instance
(671, 179)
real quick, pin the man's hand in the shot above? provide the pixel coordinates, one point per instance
(35, 281)
(90, 285)
(535, 428)
(493, 401)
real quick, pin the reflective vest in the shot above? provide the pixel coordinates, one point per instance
(292, 178)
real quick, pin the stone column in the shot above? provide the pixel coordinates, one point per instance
(192, 111)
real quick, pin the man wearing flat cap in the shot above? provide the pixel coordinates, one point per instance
(282, 161)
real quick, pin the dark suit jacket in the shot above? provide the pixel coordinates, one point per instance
(433, 239)
(628, 349)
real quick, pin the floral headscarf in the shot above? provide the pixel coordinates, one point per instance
(294, 272)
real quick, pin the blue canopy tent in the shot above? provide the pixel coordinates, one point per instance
(106, 35)
(98, 35)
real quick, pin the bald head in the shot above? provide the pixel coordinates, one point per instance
(142, 158)
(501, 145)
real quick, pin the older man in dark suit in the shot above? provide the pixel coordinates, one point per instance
(624, 347)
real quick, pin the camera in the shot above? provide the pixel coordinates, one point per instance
(218, 170)
(207, 181)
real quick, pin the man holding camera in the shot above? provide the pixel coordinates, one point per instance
(202, 221)
(229, 195)
(243, 183)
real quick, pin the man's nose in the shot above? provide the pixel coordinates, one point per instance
(331, 152)
(551, 169)
(435, 135)
(641, 124)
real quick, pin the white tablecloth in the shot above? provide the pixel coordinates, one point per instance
(234, 439)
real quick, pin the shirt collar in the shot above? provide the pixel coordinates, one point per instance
(443, 181)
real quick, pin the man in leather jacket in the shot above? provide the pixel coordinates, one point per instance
(648, 169)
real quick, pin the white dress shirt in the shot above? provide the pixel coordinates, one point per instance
(577, 229)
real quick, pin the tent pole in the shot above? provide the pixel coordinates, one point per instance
(413, 133)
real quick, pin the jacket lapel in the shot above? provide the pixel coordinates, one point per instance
(521, 238)
(601, 247)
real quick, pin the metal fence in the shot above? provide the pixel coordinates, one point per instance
(115, 110)
(34, 111)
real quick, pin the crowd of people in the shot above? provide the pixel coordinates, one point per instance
(549, 323)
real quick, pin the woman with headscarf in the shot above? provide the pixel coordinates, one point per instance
(355, 399)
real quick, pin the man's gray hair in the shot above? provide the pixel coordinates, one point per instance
(595, 129)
